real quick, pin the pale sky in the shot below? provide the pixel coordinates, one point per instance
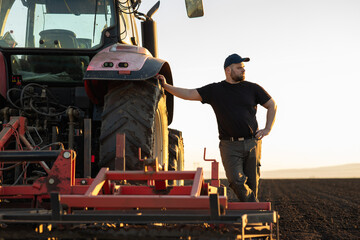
(304, 53)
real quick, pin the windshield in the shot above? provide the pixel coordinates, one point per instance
(54, 23)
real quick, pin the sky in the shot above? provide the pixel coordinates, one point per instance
(306, 54)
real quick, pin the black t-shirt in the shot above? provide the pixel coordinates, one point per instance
(235, 106)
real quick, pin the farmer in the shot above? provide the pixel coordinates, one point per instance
(234, 102)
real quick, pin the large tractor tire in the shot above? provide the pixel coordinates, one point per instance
(138, 109)
(176, 153)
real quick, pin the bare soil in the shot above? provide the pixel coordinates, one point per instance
(314, 208)
(310, 209)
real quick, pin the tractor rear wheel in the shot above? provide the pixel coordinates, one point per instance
(176, 153)
(138, 109)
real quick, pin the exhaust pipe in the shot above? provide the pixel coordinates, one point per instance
(149, 32)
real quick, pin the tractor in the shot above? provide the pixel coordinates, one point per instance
(70, 64)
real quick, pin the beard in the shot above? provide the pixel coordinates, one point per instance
(237, 78)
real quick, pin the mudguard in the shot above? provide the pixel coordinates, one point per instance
(121, 62)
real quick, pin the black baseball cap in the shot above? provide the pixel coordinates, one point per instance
(234, 58)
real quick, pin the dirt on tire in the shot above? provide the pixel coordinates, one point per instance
(314, 208)
(132, 107)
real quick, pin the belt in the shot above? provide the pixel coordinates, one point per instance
(235, 139)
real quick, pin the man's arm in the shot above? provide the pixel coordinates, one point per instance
(270, 119)
(187, 94)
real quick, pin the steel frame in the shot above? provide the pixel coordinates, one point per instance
(107, 197)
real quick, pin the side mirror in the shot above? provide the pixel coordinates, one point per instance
(194, 8)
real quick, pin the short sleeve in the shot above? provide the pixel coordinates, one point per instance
(262, 96)
(206, 93)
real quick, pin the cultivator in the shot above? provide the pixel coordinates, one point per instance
(118, 203)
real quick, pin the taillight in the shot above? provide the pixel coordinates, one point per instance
(3, 78)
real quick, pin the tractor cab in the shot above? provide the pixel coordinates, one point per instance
(53, 24)
(54, 40)
(65, 24)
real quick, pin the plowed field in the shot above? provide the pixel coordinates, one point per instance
(311, 209)
(314, 208)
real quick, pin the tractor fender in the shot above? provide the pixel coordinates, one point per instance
(121, 62)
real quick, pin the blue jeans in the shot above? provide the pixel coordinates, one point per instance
(241, 160)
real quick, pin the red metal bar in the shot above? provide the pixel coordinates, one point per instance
(139, 201)
(160, 184)
(6, 191)
(140, 175)
(79, 189)
(22, 126)
(73, 167)
(198, 182)
(17, 197)
(145, 190)
(215, 181)
(8, 130)
(98, 183)
(208, 160)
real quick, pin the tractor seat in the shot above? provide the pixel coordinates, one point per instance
(57, 63)
(58, 38)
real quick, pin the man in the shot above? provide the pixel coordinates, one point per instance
(234, 102)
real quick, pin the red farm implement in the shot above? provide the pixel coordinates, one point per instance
(53, 204)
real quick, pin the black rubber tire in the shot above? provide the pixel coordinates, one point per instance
(176, 153)
(138, 109)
